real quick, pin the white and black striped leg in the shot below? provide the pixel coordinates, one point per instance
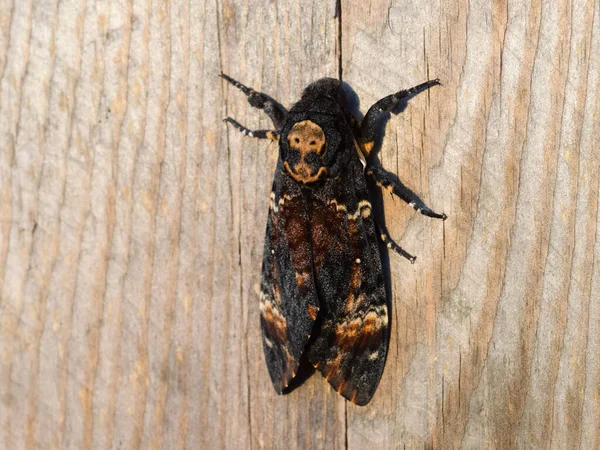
(387, 240)
(274, 110)
(383, 180)
(259, 134)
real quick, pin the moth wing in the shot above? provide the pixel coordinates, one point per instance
(350, 345)
(288, 299)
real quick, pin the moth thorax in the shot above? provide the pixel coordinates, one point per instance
(308, 139)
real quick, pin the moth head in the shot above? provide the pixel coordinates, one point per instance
(314, 140)
(325, 95)
(307, 145)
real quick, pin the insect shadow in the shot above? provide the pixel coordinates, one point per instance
(305, 369)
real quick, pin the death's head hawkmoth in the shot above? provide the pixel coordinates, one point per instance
(322, 294)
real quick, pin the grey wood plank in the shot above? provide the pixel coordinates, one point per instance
(132, 222)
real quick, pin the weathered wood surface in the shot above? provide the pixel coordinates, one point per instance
(132, 221)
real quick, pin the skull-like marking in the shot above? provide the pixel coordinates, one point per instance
(306, 138)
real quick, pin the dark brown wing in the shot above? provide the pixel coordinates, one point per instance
(350, 345)
(288, 300)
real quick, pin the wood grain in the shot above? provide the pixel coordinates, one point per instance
(132, 222)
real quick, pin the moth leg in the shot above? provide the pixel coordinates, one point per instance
(392, 245)
(383, 180)
(259, 134)
(368, 128)
(274, 110)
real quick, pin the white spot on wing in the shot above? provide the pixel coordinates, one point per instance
(363, 161)
(362, 205)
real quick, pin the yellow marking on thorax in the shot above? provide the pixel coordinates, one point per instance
(305, 179)
(306, 137)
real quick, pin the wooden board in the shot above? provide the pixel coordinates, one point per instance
(132, 222)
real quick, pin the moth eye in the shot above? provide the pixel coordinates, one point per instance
(296, 140)
(312, 143)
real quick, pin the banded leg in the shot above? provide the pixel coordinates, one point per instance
(383, 180)
(368, 129)
(392, 245)
(259, 134)
(274, 110)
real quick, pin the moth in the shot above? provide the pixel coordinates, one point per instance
(322, 292)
